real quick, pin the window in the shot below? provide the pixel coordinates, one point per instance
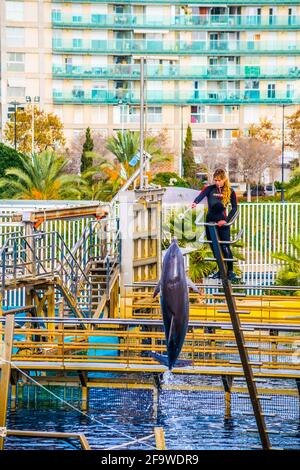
(15, 37)
(14, 11)
(252, 89)
(271, 90)
(290, 88)
(15, 62)
(197, 114)
(56, 15)
(154, 114)
(77, 43)
(15, 92)
(212, 133)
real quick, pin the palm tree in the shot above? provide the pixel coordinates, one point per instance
(125, 145)
(289, 274)
(41, 177)
(101, 182)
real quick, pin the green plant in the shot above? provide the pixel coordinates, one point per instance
(289, 274)
(188, 161)
(170, 179)
(42, 176)
(88, 146)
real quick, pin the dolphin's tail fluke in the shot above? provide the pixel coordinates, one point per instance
(161, 358)
(164, 360)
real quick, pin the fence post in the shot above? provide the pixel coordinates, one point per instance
(5, 374)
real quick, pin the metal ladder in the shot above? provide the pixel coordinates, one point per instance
(236, 323)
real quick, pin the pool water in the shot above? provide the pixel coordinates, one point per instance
(192, 420)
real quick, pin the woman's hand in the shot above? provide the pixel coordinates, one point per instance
(221, 223)
(193, 205)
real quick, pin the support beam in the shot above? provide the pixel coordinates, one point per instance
(227, 381)
(83, 377)
(14, 376)
(160, 438)
(5, 373)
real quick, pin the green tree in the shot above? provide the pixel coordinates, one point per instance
(48, 130)
(170, 179)
(188, 161)
(101, 182)
(8, 157)
(293, 186)
(125, 145)
(289, 274)
(41, 177)
(88, 146)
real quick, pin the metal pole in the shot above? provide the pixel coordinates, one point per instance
(15, 126)
(282, 155)
(32, 130)
(181, 144)
(142, 110)
(240, 340)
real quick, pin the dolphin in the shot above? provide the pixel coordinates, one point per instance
(174, 299)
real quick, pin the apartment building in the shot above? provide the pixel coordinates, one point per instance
(216, 65)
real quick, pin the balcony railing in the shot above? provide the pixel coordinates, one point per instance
(175, 72)
(132, 21)
(190, 2)
(95, 96)
(136, 46)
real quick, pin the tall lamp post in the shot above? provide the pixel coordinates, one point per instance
(15, 105)
(34, 100)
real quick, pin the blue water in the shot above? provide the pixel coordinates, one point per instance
(192, 420)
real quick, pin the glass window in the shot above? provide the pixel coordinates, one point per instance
(271, 90)
(56, 15)
(290, 88)
(197, 114)
(15, 92)
(14, 11)
(15, 36)
(154, 114)
(15, 62)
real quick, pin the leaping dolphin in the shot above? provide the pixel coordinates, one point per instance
(174, 299)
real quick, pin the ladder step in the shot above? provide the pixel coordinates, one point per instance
(267, 431)
(233, 295)
(260, 397)
(224, 259)
(251, 363)
(237, 311)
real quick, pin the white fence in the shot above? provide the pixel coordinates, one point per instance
(267, 228)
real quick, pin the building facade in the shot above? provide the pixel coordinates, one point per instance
(216, 65)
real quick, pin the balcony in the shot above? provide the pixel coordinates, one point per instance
(177, 22)
(190, 2)
(175, 72)
(95, 96)
(154, 47)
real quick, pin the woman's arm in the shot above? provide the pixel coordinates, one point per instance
(202, 195)
(233, 202)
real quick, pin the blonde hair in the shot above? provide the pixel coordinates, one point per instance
(220, 173)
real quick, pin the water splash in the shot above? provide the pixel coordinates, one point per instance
(168, 377)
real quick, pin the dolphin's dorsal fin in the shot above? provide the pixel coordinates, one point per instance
(157, 289)
(192, 285)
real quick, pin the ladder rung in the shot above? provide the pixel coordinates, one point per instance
(224, 259)
(233, 295)
(261, 397)
(267, 415)
(251, 363)
(267, 431)
(237, 311)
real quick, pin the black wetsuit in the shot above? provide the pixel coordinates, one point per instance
(217, 212)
